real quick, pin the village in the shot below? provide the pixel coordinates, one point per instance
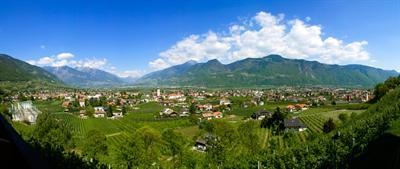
(200, 104)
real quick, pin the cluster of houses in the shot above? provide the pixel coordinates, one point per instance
(296, 107)
(168, 112)
(173, 98)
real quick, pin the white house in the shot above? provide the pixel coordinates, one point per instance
(24, 111)
(224, 101)
(99, 112)
(117, 114)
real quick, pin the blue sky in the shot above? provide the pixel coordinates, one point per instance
(136, 37)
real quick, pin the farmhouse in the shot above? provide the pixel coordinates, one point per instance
(117, 114)
(224, 101)
(205, 107)
(99, 112)
(168, 112)
(66, 105)
(175, 96)
(200, 145)
(212, 115)
(82, 103)
(261, 114)
(294, 125)
(82, 114)
(301, 107)
(184, 112)
(290, 108)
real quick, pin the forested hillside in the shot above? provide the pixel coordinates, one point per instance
(15, 70)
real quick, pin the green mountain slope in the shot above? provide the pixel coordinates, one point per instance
(272, 70)
(14, 70)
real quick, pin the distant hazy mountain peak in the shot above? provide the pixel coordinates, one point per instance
(86, 76)
(274, 57)
(190, 62)
(214, 61)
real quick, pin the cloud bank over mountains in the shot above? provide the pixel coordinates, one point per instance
(259, 36)
(67, 59)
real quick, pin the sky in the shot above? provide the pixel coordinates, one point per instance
(132, 38)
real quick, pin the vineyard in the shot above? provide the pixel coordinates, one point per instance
(314, 119)
(118, 130)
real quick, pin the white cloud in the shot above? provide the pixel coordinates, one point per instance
(60, 63)
(130, 73)
(65, 56)
(42, 61)
(65, 59)
(158, 64)
(32, 62)
(262, 35)
(90, 63)
(42, 46)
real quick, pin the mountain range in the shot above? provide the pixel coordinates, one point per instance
(86, 77)
(272, 70)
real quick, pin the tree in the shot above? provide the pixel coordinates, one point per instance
(89, 111)
(151, 143)
(193, 119)
(192, 108)
(131, 154)
(380, 91)
(123, 110)
(175, 144)
(329, 125)
(221, 142)
(276, 121)
(248, 136)
(109, 111)
(4, 111)
(49, 131)
(343, 117)
(382, 88)
(95, 144)
(22, 97)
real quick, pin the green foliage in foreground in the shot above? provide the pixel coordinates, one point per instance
(231, 145)
(95, 144)
(382, 88)
(53, 139)
(338, 150)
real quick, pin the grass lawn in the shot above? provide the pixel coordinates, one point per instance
(49, 106)
(335, 114)
(189, 132)
(247, 112)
